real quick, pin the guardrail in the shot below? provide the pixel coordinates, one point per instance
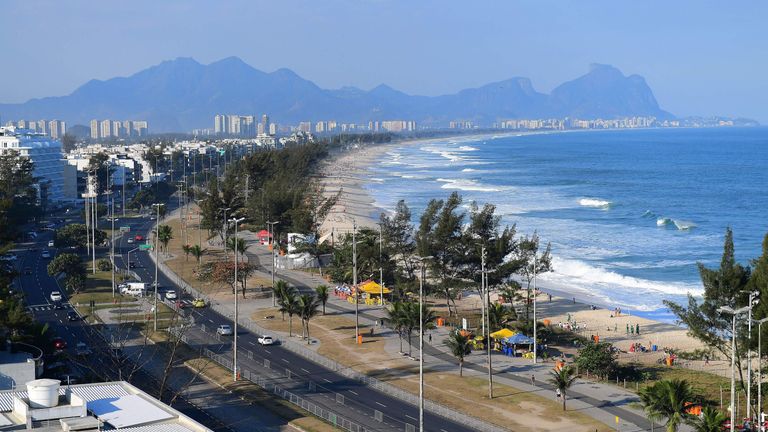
(327, 415)
(389, 389)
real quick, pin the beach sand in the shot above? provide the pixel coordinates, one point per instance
(347, 173)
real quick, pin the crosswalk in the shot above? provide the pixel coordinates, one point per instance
(47, 307)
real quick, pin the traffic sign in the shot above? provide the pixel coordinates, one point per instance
(125, 229)
(146, 246)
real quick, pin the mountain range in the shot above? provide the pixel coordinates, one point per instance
(182, 94)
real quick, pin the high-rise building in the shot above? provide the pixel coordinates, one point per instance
(95, 129)
(220, 124)
(140, 128)
(105, 129)
(264, 124)
(42, 127)
(305, 127)
(128, 128)
(45, 154)
(117, 129)
(273, 128)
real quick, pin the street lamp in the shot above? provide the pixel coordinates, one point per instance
(733, 313)
(272, 243)
(753, 301)
(760, 371)
(129, 258)
(225, 210)
(421, 342)
(234, 360)
(157, 263)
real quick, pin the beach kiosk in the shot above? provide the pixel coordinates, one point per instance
(513, 341)
(264, 237)
(372, 292)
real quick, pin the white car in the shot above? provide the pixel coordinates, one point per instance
(45, 254)
(56, 296)
(51, 243)
(266, 340)
(224, 330)
(170, 295)
(130, 240)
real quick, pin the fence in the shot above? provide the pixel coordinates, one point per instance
(389, 389)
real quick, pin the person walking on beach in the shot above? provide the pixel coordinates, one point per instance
(627, 328)
(637, 330)
(533, 380)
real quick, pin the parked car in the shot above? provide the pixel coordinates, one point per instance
(170, 295)
(56, 296)
(198, 303)
(266, 340)
(82, 349)
(45, 254)
(59, 344)
(224, 330)
(181, 304)
(73, 316)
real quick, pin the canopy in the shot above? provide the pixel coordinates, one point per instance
(372, 287)
(503, 334)
(519, 339)
(263, 233)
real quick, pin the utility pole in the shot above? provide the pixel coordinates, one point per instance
(421, 343)
(95, 217)
(272, 243)
(157, 263)
(354, 278)
(381, 265)
(486, 295)
(112, 242)
(123, 195)
(234, 359)
(535, 344)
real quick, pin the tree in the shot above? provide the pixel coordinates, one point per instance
(71, 265)
(670, 400)
(236, 245)
(533, 263)
(322, 295)
(164, 235)
(397, 231)
(460, 347)
(68, 142)
(307, 306)
(562, 379)
(187, 250)
(280, 288)
(598, 358)
(76, 235)
(710, 420)
(724, 286)
(499, 315)
(101, 167)
(198, 253)
(397, 320)
(289, 304)
(18, 196)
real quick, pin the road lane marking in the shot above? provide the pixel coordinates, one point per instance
(285, 360)
(412, 418)
(353, 392)
(380, 404)
(305, 370)
(327, 380)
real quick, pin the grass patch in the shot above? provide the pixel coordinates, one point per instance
(98, 287)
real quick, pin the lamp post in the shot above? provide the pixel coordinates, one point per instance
(157, 263)
(760, 371)
(354, 277)
(234, 359)
(421, 343)
(535, 345)
(129, 258)
(733, 313)
(381, 265)
(753, 300)
(272, 243)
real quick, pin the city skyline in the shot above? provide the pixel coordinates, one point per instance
(694, 71)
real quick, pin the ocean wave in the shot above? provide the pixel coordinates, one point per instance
(468, 148)
(466, 185)
(649, 214)
(595, 203)
(593, 278)
(376, 179)
(468, 170)
(681, 225)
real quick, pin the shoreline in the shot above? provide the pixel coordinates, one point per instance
(346, 174)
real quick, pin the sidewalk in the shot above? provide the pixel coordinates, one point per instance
(602, 401)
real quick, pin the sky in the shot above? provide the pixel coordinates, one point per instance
(700, 57)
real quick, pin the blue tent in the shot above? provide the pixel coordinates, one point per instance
(519, 339)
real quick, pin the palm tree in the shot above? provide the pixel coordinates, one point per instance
(236, 245)
(197, 252)
(499, 315)
(460, 346)
(289, 303)
(397, 319)
(308, 307)
(411, 319)
(322, 295)
(562, 380)
(164, 235)
(711, 420)
(187, 250)
(280, 288)
(670, 400)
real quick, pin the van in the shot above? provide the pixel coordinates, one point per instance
(51, 243)
(137, 289)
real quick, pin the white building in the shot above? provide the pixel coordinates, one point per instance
(44, 152)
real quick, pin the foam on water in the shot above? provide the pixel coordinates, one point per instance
(467, 185)
(595, 203)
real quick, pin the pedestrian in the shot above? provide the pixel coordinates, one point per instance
(557, 393)
(550, 297)
(574, 300)
(430, 338)
(637, 330)
(627, 328)
(533, 380)
(371, 331)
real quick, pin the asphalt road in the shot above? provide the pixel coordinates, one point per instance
(360, 401)
(37, 287)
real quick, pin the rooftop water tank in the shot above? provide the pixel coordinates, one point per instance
(43, 393)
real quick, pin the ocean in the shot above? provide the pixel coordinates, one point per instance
(629, 213)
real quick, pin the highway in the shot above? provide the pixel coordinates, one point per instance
(359, 402)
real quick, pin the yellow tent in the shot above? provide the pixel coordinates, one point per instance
(503, 334)
(372, 287)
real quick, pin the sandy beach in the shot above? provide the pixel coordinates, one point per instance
(347, 174)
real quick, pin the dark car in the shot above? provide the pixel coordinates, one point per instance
(59, 344)
(28, 270)
(57, 305)
(73, 316)
(132, 265)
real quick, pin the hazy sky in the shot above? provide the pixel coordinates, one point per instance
(699, 57)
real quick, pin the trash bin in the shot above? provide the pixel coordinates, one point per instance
(654, 348)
